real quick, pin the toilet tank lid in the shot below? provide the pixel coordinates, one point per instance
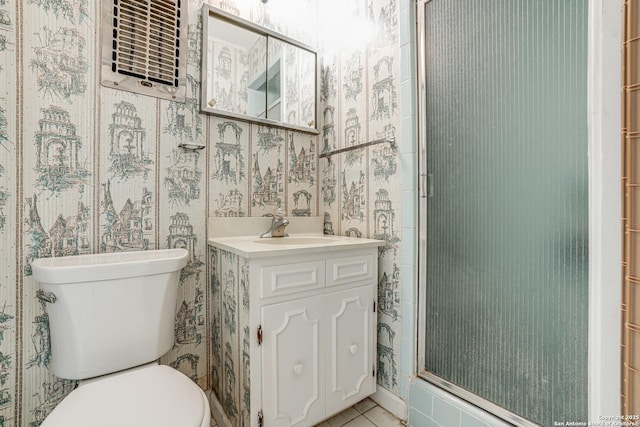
(108, 266)
(155, 396)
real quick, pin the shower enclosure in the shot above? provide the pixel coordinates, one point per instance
(504, 207)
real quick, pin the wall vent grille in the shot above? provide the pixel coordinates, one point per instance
(144, 47)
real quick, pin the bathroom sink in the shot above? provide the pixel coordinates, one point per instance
(294, 240)
(255, 247)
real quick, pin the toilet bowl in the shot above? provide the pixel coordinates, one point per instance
(111, 316)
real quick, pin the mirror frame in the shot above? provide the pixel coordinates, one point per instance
(209, 11)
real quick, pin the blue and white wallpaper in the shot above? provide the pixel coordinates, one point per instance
(88, 169)
(361, 189)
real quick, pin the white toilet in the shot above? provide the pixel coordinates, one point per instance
(111, 316)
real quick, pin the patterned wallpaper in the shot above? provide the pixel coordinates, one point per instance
(361, 189)
(87, 169)
(230, 334)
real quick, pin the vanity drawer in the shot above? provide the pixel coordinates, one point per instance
(351, 269)
(288, 278)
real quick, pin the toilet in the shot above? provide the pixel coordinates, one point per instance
(111, 316)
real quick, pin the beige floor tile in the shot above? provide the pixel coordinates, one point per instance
(361, 421)
(364, 405)
(365, 413)
(382, 418)
(341, 419)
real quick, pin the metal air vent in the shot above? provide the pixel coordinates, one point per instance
(144, 47)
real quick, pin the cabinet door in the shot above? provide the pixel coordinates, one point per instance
(351, 347)
(293, 386)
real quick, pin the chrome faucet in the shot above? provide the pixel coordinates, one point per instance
(278, 224)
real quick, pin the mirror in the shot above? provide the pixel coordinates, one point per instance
(250, 73)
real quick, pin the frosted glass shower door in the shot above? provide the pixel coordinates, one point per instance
(506, 283)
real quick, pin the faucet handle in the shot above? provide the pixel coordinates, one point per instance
(279, 213)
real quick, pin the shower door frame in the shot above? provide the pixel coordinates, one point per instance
(604, 68)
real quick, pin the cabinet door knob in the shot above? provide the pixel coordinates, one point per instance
(353, 349)
(298, 369)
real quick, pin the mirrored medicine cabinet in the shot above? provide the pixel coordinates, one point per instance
(254, 74)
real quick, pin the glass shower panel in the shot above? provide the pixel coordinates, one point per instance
(507, 226)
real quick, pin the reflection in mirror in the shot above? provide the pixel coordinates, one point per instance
(298, 88)
(306, 87)
(275, 95)
(235, 53)
(254, 74)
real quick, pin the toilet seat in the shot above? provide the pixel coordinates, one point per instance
(152, 396)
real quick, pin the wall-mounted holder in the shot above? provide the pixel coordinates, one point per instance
(191, 147)
(328, 155)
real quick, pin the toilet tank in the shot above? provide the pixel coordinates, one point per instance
(112, 311)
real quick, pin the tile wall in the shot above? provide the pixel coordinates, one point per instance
(430, 406)
(409, 171)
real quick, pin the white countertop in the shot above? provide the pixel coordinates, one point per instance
(255, 247)
(241, 236)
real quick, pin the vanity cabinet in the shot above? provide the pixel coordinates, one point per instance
(317, 357)
(299, 345)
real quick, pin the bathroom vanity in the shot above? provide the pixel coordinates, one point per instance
(294, 323)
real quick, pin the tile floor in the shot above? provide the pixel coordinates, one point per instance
(363, 414)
